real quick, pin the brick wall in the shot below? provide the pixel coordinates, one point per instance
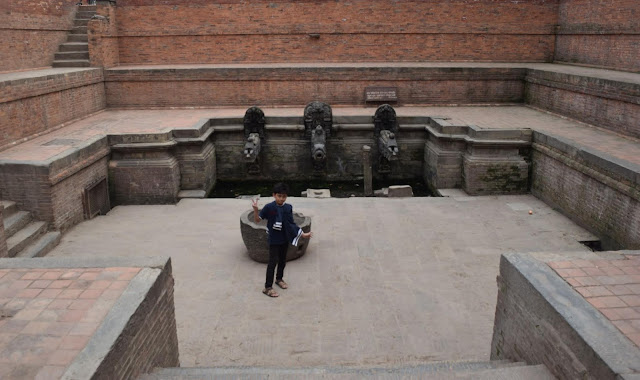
(605, 203)
(301, 85)
(103, 39)
(602, 33)
(66, 195)
(32, 106)
(600, 102)
(3, 241)
(31, 30)
(225, 31)
(150, 337)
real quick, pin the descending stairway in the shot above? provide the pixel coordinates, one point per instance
(491, 370)
(26, 237)
(75, 52)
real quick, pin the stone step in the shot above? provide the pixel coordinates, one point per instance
(25, 237)
(81, 21)
(79, 30)
(77, 38)
(85, 14)
(71, 55)
(87, 8)
(9, 208)
(42, 245)
(15, 222)
(71, 63)
(439, 370)
(73, 46)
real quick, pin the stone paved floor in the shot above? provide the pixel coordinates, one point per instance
(384, 281)
(612, 286)
(47, 316)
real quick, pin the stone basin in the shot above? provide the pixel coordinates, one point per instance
(254, 236)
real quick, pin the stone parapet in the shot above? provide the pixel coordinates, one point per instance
(197, 160)
(481, 161)
(592, 189)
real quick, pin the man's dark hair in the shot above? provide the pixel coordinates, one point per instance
(280, 188)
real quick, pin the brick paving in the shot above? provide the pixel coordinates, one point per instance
(611, 286)
(47, 316)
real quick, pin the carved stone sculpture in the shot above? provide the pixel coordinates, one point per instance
(385, 129)
(254, 134)
(318, 121)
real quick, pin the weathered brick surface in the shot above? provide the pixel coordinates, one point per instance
(150, 338)
(144, 178)
(29, 187)
(31, 31)
(607, 206)
(66, 195)
(604, 103)
(301, 85)
(197, 166)
(103, 40)
(224, 31)
(494, 175)
(599, 32)
(3, 241)
(32, 106)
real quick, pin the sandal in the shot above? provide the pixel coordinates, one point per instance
(282, 284)
(270, 292)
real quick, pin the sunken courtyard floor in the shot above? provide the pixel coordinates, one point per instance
(384, 281)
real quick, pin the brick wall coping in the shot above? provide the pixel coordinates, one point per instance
(608, 165)
(158, 262)
(86, 364)
(24, 84)
(612, 75)
(608, 344)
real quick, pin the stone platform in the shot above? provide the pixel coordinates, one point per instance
(80, 318)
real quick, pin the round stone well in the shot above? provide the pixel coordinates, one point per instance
(254, 236)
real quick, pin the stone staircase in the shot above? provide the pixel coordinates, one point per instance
(26, 237)
(75, 52)
(490, 370)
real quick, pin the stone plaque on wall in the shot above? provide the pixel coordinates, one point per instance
(380, 94)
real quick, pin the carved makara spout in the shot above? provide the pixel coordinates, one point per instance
(318, 140)
(252, 147)
(387, 145)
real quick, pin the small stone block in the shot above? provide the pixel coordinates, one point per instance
(317, 193)
(399, 191)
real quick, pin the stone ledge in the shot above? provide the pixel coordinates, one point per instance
(15, 86)
(606, 164)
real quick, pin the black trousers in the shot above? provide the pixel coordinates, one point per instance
(277, 255)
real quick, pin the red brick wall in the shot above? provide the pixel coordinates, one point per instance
(599, 32)
(299, 86)
(31, 30)
(224, 31)
(32, 106)
(103, 40)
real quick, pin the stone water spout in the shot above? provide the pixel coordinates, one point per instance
(254, 134)
(385, 129)
(318, 121)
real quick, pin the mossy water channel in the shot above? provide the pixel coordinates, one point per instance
(338, 189)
